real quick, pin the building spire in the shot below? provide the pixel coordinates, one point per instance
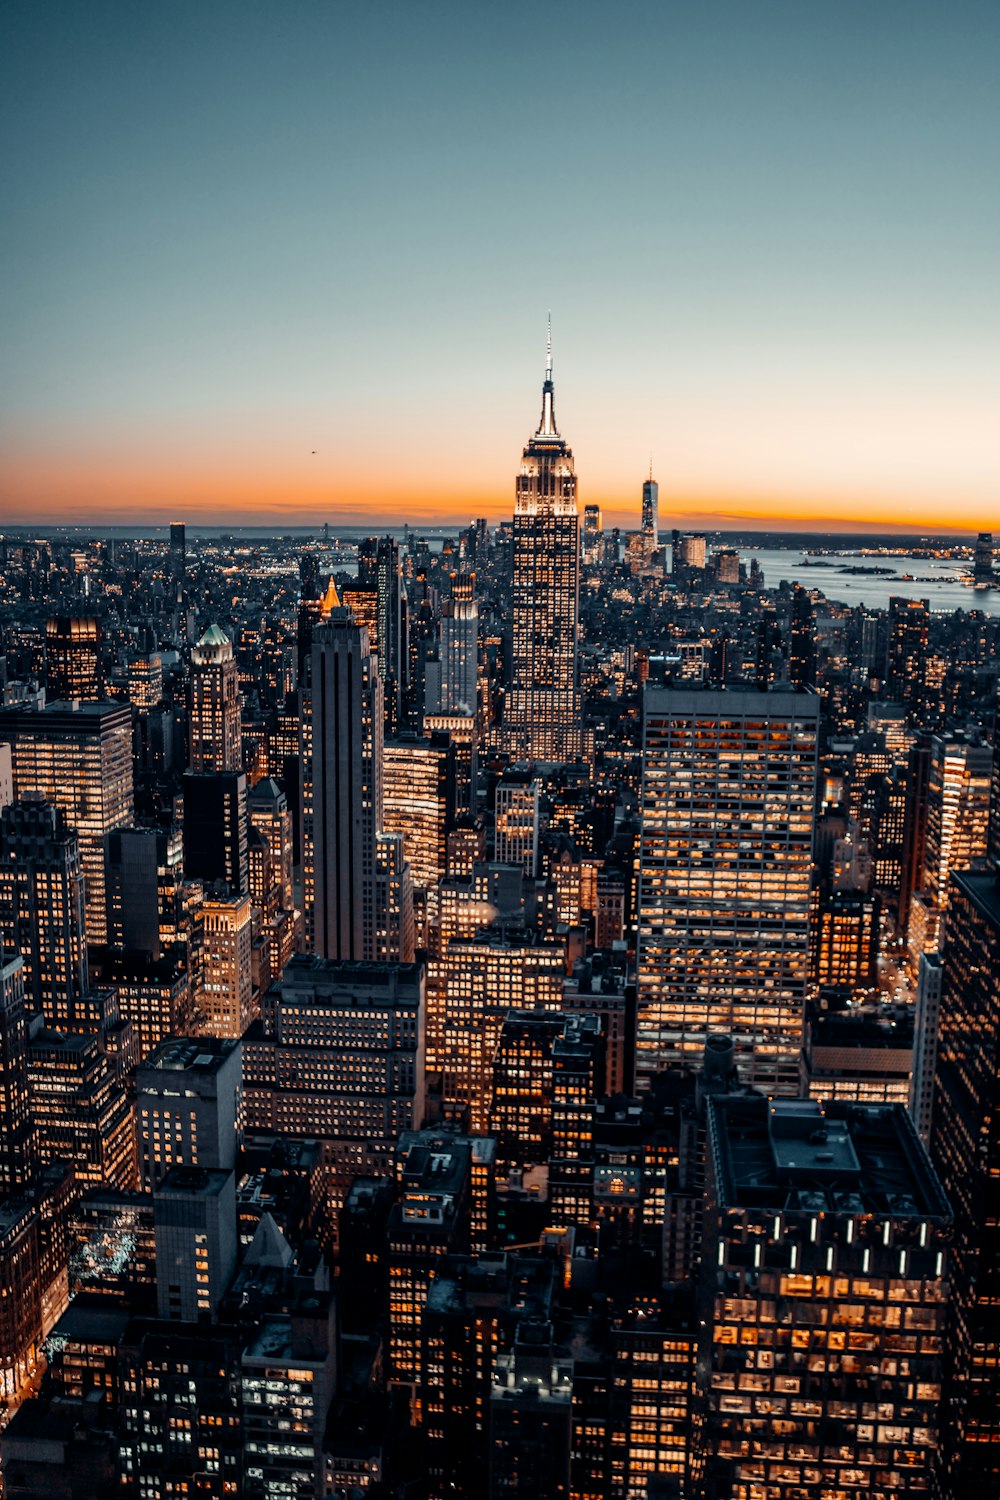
(331, 599)
(547, 426)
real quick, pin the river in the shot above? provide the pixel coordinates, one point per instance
(938, 580)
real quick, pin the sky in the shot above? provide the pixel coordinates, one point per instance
(293, 260)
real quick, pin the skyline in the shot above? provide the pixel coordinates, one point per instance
(250, 278)
(488, 1016)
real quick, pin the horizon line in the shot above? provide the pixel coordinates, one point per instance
(339, 521)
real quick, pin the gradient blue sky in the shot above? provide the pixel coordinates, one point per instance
(769, 235)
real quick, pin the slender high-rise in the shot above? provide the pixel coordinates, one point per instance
(906, 655)
(458, 650)
(965, 1149)
(177, 554)
(591, 536)
(542, 713)
(346, 788)
(380, 590)
(802, 655)
(73, 660)
(78, 757)
(215, 705)
(993, 835)
(982, 562)
(728, 802)
(650, 515)
(958, 809)
(17, 1139)
(42, 911)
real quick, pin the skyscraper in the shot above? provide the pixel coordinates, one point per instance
(376, 602)
(378, 569)
(958, 810)
(542, 712)
(80, 759)
(728, 800)
(81, 1108)
(458, 650)
(802, 656)
(346, 788)
(419, 802)
(73, 660)
(145, 679)
(310, 611)
(270, 815)
(982, 566)
(189, 1106)
(965, 1149)
(517, 818)
(926, 1026)
(177, 556)
(993, 836)
(298, 768)
(194, 1212)
(826, 1235)
(395, 932)
(17, 1135)
(227, 990)
(590, 537)
(338, 1056)
(215, 828)
(145, 871)
(906, 662)
(650, 515)
(42, 910)
(531, 1403)
(215, 705)
(485, 978)
(690, 555)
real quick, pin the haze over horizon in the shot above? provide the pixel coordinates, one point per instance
(294, 265)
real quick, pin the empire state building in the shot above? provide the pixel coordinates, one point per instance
(542, 714)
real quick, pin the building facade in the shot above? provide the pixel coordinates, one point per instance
(458, 649)
(965, 1148)
(189, 1106)
(216, 725)
(73, 670)
(42, 910)
(345, 774)
(824, 1302)
(728, 802)
(227, 994)
(17, 1140)
(542, 711)
(78, 757)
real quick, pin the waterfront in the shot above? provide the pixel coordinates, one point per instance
(938, 580)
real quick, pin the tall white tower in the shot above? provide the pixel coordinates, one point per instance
(542, 713)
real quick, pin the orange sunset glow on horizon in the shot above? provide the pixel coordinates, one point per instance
(153, 489)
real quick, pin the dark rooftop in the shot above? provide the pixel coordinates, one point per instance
(206, 1182)
(101, 1321)
(329, 976)
(885, 1028)
(203, 1054)
(786, 1155)
(984, 889)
